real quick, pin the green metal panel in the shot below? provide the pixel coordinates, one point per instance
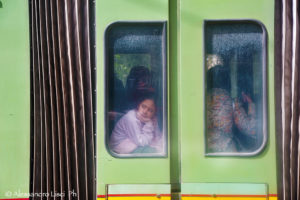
(224, 188)
(139, 189)
(14, 99)
(195, 166)
(112, 170)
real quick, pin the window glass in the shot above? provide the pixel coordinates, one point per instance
(135, 89)
(235, 87)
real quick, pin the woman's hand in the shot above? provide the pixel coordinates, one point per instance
(251, 105)
(148, 127)
(246, 98)
(142, 118)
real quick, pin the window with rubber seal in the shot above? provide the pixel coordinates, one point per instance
(235, 87)
(135, 86)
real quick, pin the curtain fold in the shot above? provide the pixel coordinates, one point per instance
(287, 97)
(63, 165)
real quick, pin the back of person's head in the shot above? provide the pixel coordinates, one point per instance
(218, 77)
(138, 84)
(138, 75)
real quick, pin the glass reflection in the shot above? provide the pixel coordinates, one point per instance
(135, 93)
(234, 89)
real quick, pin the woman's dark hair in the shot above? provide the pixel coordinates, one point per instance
(148, 95)
(218, 77)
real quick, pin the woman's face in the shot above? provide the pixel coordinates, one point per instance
(146, 110)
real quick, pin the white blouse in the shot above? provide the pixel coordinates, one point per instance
(130, 133)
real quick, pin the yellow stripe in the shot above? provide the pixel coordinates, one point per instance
(189, 198)
(228, 198)
(224, 198)
(273, 198)
(136, 198)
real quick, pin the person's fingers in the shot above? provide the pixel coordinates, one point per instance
(246, 98)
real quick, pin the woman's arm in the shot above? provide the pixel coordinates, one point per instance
(245, 122)
(140, 134)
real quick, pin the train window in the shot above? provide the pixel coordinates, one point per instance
(235, 87)
(136, 89)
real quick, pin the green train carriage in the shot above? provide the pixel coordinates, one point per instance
(66, 67)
